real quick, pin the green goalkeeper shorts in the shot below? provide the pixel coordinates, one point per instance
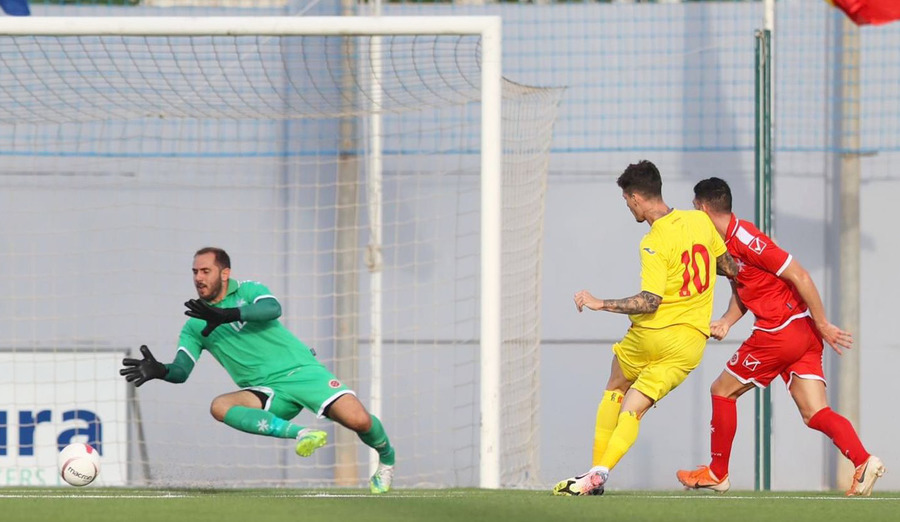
(312, 387)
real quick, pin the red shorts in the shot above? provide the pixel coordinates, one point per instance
(796, 349)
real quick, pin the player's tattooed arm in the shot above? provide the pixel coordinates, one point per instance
(726, 266)
(642, 303)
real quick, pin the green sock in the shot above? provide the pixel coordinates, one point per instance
(377, 439)
(260, 422)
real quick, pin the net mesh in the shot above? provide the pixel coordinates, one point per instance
(123, 155)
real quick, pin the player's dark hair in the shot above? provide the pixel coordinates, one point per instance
(223, 261)
(715, 193)
(642, 178)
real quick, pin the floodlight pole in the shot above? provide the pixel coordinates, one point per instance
(848, 107)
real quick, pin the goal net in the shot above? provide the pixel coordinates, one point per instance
(342, 163)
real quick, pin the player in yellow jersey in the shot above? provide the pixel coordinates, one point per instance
(670, 317)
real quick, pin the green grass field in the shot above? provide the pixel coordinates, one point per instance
(465, 505)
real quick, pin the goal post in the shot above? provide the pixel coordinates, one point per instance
(117, 127)
(491, 244)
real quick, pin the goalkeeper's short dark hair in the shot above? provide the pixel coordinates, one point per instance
(715, 193)
(223, 260)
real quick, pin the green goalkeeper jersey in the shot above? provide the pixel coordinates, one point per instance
(251, 352)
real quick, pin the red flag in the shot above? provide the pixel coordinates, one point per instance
(869, 11)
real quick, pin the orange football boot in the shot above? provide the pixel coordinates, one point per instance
(865, 476)
(702, 478)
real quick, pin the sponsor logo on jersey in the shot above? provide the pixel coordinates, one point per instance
(237, 326)
(651, 252)
(757, 245)
(751, 363)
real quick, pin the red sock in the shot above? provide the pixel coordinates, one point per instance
(722, 429)
(841, 432)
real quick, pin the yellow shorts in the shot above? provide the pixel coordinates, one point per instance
(658, 360)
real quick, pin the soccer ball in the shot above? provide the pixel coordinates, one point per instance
(79, 464)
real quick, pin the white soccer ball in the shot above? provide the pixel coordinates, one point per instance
(79, 464)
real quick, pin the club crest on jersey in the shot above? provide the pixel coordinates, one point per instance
(334, 383)
(734, 359)
(751, 363)
(757, 245)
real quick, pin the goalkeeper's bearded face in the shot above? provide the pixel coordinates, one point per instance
(209, 280)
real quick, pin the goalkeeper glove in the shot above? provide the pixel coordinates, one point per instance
(140, 371)
(212, 315)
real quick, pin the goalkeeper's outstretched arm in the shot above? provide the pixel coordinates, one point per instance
(265, 309)
(148, 368)
(178, 370)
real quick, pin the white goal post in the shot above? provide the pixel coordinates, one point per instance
(75, 91)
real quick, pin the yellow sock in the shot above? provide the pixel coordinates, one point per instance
(607, 417)
(620, 442)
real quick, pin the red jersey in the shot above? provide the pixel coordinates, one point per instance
(774, 301)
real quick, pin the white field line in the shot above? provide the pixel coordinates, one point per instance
(112, 495)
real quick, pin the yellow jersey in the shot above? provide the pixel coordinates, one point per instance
(678, 263)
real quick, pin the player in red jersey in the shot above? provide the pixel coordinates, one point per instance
(786, 340)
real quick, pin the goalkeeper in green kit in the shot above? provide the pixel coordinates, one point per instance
(237, 322)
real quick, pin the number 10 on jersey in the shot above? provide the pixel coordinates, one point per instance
(692, 272)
